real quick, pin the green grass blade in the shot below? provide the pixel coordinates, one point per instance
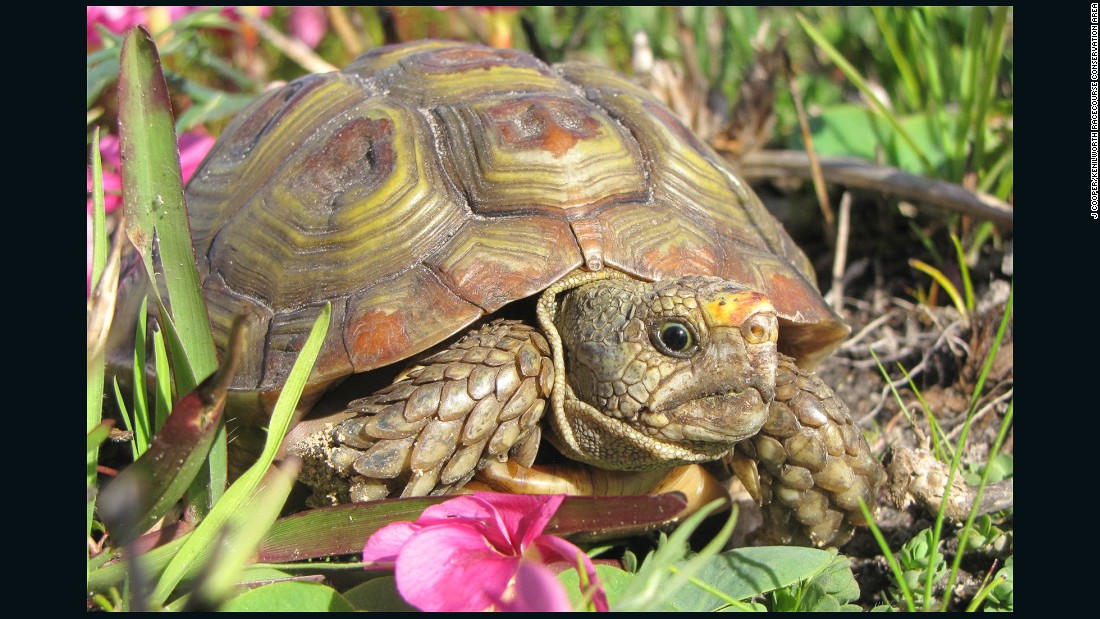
(154, 194)
(101, 309)
(99, 217)
(96, 436)
(241, 492)
(908, 77)
(127, 421)
(1004, 162)
(941, 445)
(243, 533)
(895, 567)
(139, 424)
(99, 261)
(163, 381)
(964, 272)
(156, 215)
(651, 586)
(990, 64)
(979, 384)
(967, 86)
(854, 76)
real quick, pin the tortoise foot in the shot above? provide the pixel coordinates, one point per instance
(809, 466)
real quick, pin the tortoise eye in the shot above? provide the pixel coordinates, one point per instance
(674, 338)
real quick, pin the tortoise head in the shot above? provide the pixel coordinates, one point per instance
(652, 375)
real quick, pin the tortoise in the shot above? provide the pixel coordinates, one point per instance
(552, 254)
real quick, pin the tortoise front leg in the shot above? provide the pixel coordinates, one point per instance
(479, 400)
(809, 465)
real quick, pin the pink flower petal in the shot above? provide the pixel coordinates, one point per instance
(110, 150)
(452, 568)
(193, 146)
(553, 548)
(522, 517)
(535, 589)
(478, 512)
(386, 543)
(117, 19)
(308, 23)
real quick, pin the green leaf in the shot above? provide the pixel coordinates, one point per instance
(378, 595)
(834, 589)
(746, 572)
(153, 198)
(337, 530)
(344, 529)
(857, 80)
(100, 311)
(854, 131)
(98, 435)
(613, 580)
(153, 193)
(653, 585)
(290, 597)
(616, 515)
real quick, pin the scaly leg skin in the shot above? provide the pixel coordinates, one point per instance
(809, 465)
(479, 400)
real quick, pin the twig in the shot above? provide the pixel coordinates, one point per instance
(340, 23)
(840, 253)
(917, 369)
(871, 326)
(293, 48)
(807, 141)
(985, 409)
(760, 165)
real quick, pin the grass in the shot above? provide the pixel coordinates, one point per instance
(926, 89)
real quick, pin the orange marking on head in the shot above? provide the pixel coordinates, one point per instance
(730, 309)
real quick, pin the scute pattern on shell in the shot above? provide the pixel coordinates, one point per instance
(431, 183)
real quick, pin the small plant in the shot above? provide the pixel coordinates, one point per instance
(921, 562)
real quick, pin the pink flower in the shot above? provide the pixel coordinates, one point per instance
(308, 23)
(117, 19)
(193, 146)
(480, 552)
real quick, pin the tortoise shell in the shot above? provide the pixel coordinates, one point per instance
(429, 184)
